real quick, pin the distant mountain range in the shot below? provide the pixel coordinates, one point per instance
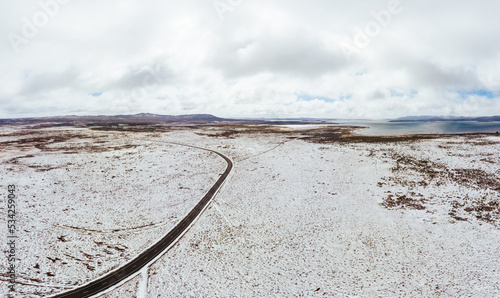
(438, 118)
(149, 119)
(142, 118)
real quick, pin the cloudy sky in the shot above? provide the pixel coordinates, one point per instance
(250, 58)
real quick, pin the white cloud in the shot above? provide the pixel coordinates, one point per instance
(257, 61)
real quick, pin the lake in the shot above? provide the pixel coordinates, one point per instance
(386, 128)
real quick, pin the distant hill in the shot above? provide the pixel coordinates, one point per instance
(146, 119)
(439, 118)
(143, 118)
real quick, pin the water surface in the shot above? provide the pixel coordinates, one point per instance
(386, 128)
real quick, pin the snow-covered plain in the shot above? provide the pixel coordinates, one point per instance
(95, 200)
(295, 218)
(306, 219)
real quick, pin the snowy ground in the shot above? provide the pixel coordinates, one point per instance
(94, 200)
(306, 219)
(295, 218)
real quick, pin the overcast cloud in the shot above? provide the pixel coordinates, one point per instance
(242, 58)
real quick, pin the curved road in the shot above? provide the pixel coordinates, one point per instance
(157, 249)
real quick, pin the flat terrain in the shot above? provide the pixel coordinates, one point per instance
(91, 200)
(314, 212)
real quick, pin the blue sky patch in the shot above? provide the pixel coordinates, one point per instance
(308, 97)
(479, 92)
(96, 94)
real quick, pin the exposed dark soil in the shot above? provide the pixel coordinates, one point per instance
(40, 142)
(322, 135)
(484, 209)
(475, 177)
(46, 139)
(130, 127)
(426, 167)
(329, 134)
(464, 208)
(403, 202)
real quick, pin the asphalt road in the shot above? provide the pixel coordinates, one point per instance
(159, 248)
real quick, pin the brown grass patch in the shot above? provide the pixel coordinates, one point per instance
(403, 202)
